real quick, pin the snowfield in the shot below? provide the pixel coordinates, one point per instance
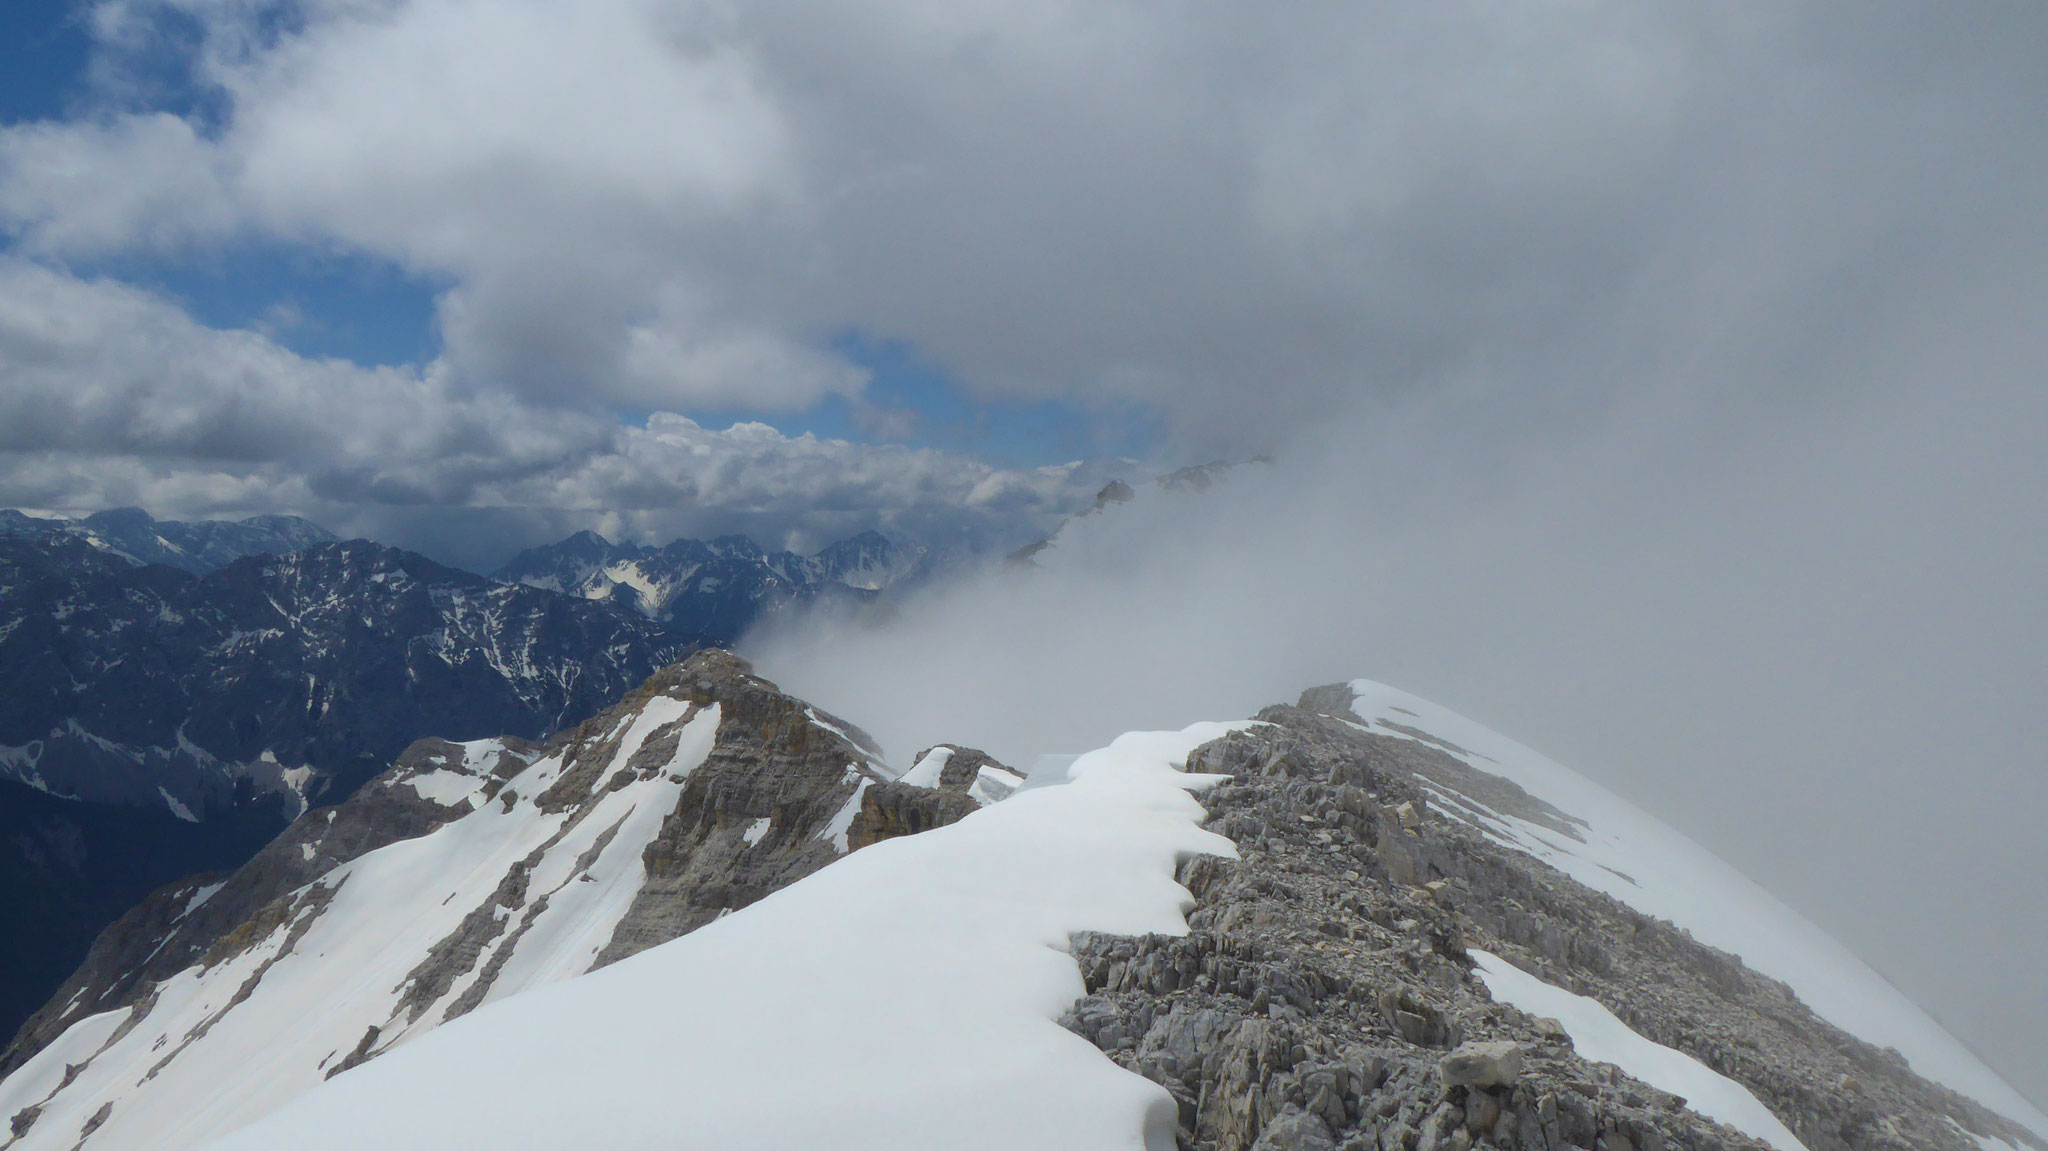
(904, 998)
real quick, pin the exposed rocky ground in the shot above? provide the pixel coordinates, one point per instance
(1326, 995)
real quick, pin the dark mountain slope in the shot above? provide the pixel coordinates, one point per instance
(175, 722)
(714, 588)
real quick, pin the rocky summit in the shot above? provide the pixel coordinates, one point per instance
(711, 917)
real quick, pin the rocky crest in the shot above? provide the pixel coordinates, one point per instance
(1326, 995)
(944, 784)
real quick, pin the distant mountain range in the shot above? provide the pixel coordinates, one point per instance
(155, 722)
(279, 679)
(173, 694)
(715, 589)
(199, 547)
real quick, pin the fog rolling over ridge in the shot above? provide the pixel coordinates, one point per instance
(1810, 632)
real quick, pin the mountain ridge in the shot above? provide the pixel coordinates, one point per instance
(1381, 928)
(198, 546)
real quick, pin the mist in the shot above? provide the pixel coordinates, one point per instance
(1793, 607)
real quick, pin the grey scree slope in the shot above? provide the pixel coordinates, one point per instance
(1325, 982)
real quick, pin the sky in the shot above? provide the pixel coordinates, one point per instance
(1660, 385)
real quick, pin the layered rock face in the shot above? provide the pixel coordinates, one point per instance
(466, 873)
(1351, 981)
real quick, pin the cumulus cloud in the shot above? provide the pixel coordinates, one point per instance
(115, 396)
(1243, 220)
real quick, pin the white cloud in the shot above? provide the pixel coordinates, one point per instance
(1242, 219)
(144, 180)
(115, 396)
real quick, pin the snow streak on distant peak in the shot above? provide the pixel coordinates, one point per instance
(1625, 853)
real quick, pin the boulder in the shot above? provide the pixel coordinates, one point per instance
(1492, 1064)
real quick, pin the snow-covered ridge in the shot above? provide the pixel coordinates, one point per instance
(1631, 856)
(533, 867)
(904, 998)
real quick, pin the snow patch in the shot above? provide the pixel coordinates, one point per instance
(757, 830)
(925, 772)
(992, 784)
(842, 820)
(198, 898)
(177, 809)
(1599, 1036)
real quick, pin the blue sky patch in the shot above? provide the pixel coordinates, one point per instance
(43, 52)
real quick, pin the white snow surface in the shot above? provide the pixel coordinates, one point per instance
(446, 788)
(177, 809)
(1599, 1036)
(1631, 856)
(842, 820)
(992, 784)
(906, 996)
(925, 772)
(196, 1065)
